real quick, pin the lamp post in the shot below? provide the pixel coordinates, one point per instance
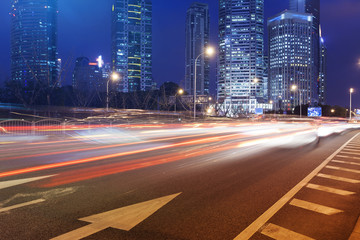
(255, 81)
(179, 92)
(351, 91)
(113, 77)
(208, 51)
(294, 88)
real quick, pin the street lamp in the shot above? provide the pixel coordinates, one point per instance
(294, 88)
(179, 92)
(351, 91)
(113, 77)
(255, 81)
(208, 51)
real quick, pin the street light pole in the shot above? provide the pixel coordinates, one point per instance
(179, 92)
(209, 51)
(114, 77)
(294, 88)
(351, 91)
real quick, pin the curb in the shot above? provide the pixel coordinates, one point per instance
(355, 235)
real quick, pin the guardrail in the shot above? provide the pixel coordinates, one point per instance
(52, 126)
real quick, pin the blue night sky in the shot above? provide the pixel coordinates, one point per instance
(84, 30)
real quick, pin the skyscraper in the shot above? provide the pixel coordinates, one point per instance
(34, 42)
(322, 73)
(132, 44)
(311, 7)
(290, 60)
(197, 38)
(241, 52)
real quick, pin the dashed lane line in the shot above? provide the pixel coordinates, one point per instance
(329, 189)
(343, 169)
(315, 207)
(265, 217)
(350, 153)
(279, 233)
(342, 156)
(6, 209)
(346, 162)
(343, 179)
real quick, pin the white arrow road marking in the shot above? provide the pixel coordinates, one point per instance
(122, 218)
(21, 205)
(12, 183)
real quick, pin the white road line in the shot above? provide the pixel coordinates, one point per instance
(343, 169)
(315, 207)
(350, 153)
(6, 209)
(12, 183)
(342, 156)
(348, 180)
(260, 221)
(329, 189)
(279, 233)
(351, 150)
(345, 162)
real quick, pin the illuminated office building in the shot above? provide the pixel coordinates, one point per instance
(322, 73)
(241, 52)
(312, 7)
(290, 60)
(132, 44)
(34, 42)
(197, 38)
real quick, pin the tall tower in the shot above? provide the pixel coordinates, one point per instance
(290, 54)
(241, 52)
(322, 73)
(197, 38)
(311, 7)
(34, 42)
(132, 44)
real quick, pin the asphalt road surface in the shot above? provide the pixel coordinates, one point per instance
(195, 181)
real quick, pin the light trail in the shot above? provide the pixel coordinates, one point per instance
(103, 157)
(99, 147)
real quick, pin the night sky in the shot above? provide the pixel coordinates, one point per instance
(84, 30)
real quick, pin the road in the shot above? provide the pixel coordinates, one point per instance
(192, 181)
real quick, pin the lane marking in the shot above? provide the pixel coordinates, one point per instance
(350, 153)
(342, 156)
(279, 233)
(345, 162)
(260, 221)
(343, 169)
(348, 180)
(6, 209)
(351, 150)
(124, 218)
(329, 189)
(315, 207)
(12, 183)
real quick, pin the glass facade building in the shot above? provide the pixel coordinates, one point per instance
(197, 38)
(322, 74)
(34, 42)
(132, 44)
(312, 7)
(241, 52)
(290, 60)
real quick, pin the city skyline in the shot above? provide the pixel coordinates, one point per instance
(345, 77)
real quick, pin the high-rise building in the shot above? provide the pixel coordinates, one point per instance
(197, 38)
(88, 76)
(241, 52)
(311, 7)
(132, 44)
(290, 60)
(322, 73)
(34, 42)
